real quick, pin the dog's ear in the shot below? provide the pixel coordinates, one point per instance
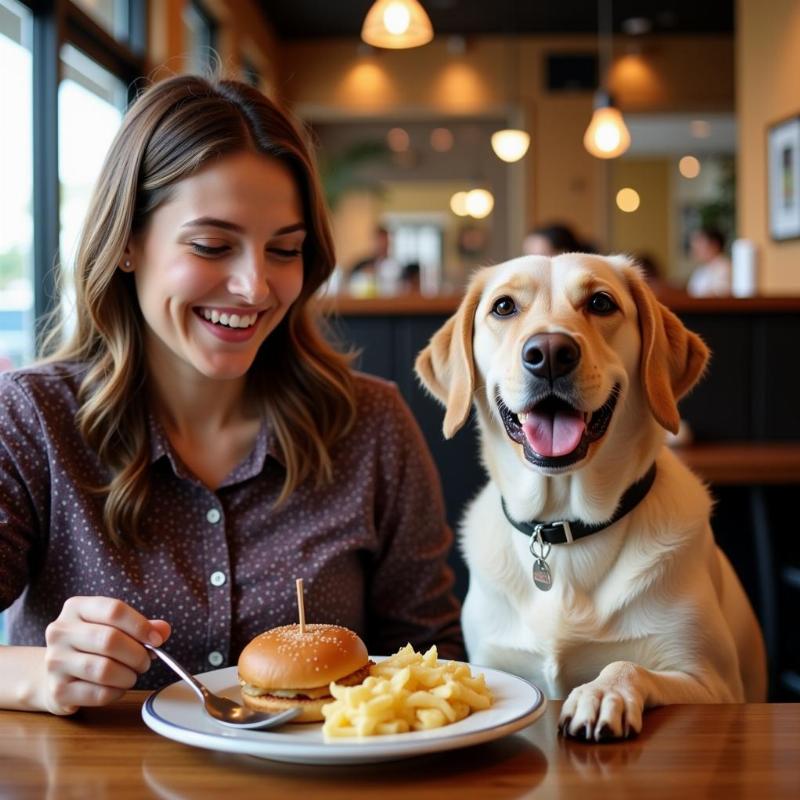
(673, 358)
(446, 367)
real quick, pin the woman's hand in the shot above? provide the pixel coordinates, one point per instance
(94, 652)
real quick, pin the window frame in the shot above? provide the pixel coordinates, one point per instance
(56, 23)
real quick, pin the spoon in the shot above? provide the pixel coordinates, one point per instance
(222, 710)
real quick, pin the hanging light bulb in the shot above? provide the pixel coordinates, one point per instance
(510, 144)
(396, 24)
(458, 204)
(479, 203)
(607, 135)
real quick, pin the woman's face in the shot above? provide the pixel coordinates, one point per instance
(218, 265)
(537, 245)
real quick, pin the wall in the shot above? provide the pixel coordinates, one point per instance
(767, 90)
(645, 231)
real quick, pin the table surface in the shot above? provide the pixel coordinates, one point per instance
(738, 751)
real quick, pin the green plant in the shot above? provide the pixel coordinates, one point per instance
(344, 172)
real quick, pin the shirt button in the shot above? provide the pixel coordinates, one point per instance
(217, 578)
(215, 658)
(213, 515)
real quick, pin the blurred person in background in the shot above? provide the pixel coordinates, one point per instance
(553, 240)
(411, 278)
(379, 274)
(654, 275)
(712, 275)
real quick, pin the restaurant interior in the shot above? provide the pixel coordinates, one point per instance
(441, 156)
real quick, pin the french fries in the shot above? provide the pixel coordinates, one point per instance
(409, 691)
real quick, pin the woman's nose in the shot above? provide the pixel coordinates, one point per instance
(250, 280)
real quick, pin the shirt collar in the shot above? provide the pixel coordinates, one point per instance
(266, 445)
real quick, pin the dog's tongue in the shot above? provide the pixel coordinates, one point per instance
(554, 433)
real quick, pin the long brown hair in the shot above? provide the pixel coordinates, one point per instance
(307, 388)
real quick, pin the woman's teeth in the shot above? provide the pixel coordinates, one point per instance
(231, 320)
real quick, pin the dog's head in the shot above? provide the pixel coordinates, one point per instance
(553, 348)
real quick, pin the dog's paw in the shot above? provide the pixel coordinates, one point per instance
(596, 712)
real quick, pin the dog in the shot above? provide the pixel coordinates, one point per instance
(575, 370)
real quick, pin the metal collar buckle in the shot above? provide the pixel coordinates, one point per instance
(559, 526)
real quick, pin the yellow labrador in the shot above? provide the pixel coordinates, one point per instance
(593, 568)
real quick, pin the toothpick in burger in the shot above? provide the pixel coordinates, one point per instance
(287, 667)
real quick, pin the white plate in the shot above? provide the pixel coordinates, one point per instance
(175, 712)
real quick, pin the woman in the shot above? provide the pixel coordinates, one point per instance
(196, 445)
(552, 240)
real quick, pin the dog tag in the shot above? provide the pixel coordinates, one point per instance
(542, 576)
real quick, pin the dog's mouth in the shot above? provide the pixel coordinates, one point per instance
(554, 433)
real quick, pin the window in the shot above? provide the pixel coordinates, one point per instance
(16, 187)
(200, 37)
(86, 92)
(250, 73)
(417, 246)
(112, 15)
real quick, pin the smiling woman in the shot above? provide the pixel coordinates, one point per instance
(196, 444)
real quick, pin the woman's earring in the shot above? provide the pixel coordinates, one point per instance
(127, 263)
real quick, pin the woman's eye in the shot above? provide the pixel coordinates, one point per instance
(207, 250)
(284, 253)
(601, 304)
(504, 307)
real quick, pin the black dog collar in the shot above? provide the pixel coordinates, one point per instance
(563, 531)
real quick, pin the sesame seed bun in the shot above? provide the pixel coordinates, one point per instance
(285, 661)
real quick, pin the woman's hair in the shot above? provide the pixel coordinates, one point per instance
(174, 128)
(562, 239)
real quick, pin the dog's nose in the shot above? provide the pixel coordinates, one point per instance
(550, 355)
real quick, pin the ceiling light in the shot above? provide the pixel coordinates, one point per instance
(627, 200)
(458, 204)
(398, 140)
(396, 24)
(442, 140)
(607, 135)
(479, 203)
(689, 167)
(510, 144)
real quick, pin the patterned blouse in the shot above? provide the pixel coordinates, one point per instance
(220, 566)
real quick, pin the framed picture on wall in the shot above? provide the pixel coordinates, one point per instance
(783, 178)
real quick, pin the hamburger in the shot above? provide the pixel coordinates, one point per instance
(283, 668)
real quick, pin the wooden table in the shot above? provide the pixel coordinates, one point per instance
(730, 751)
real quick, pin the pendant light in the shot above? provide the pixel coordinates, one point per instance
(396, 24)
(511, 144)
(607, 135)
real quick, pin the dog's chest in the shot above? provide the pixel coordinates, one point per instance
(557, 639)
(554, 651)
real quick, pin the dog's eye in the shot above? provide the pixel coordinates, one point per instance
(504, 307)
(601, 304)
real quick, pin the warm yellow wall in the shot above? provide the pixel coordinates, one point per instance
(646, 230)
(767, 90)
(674, 73)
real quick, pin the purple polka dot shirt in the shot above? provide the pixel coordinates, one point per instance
(220, 566)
